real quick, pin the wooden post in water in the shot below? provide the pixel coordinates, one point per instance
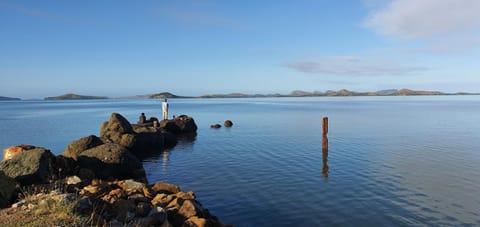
(325, 126)
(325, 147)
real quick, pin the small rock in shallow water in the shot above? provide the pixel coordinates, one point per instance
(228, 123)
(215, 126)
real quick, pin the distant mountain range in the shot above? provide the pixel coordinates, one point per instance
(296, 93)
(343, 92)
(3, 98)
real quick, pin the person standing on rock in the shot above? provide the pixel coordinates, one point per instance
(165, 109)
(142, 119)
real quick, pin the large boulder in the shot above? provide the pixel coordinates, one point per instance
(112, 161)
(181, 124)
(30, 167)
(118, 130)
(78, 146)
(117, 123)
(7, 190)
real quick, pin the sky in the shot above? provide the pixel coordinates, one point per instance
(192, 47)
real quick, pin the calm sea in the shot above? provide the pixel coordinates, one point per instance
(391, 160)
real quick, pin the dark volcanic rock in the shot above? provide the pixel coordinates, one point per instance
(228, 123)
(170, 126)
(30, 167)
(140, 139)
(78, 146)
(112, 161)
(215, 126)
(7, 190)
(65, 166)
(186, 124)
(181, 124)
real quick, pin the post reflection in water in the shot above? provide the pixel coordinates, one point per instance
(183, 141)
(325, 156)
(165, 155)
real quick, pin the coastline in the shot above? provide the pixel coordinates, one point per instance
(90, 177)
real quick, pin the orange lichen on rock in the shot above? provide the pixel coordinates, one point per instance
(9, 152)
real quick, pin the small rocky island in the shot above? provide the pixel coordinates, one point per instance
(3, 98)
(101, 178)
(71, 96)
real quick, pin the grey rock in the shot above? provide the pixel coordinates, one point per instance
(78, 146)
(30, 167)
(112, 161)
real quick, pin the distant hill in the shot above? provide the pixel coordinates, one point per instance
(74, 97)
(342, 92)
(3, 98)
(164, 95)
(413, 92)
(299, 93)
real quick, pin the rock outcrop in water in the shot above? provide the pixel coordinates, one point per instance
(182, 124)
(106, 172)
(228, 123)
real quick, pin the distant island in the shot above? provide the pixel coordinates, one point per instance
(74, 97)
(342, 92)
(165, 95)
(296, 93)
(3, 98)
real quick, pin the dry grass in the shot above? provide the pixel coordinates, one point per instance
(42, 208)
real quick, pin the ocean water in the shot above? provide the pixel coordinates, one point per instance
(391, 160)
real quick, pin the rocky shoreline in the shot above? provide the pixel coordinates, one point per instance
(103, 177)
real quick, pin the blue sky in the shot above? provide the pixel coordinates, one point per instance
(121, 48)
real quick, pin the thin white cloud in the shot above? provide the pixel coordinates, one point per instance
(350, 66)
(417, 19)
(197, 17)
(45, 15)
